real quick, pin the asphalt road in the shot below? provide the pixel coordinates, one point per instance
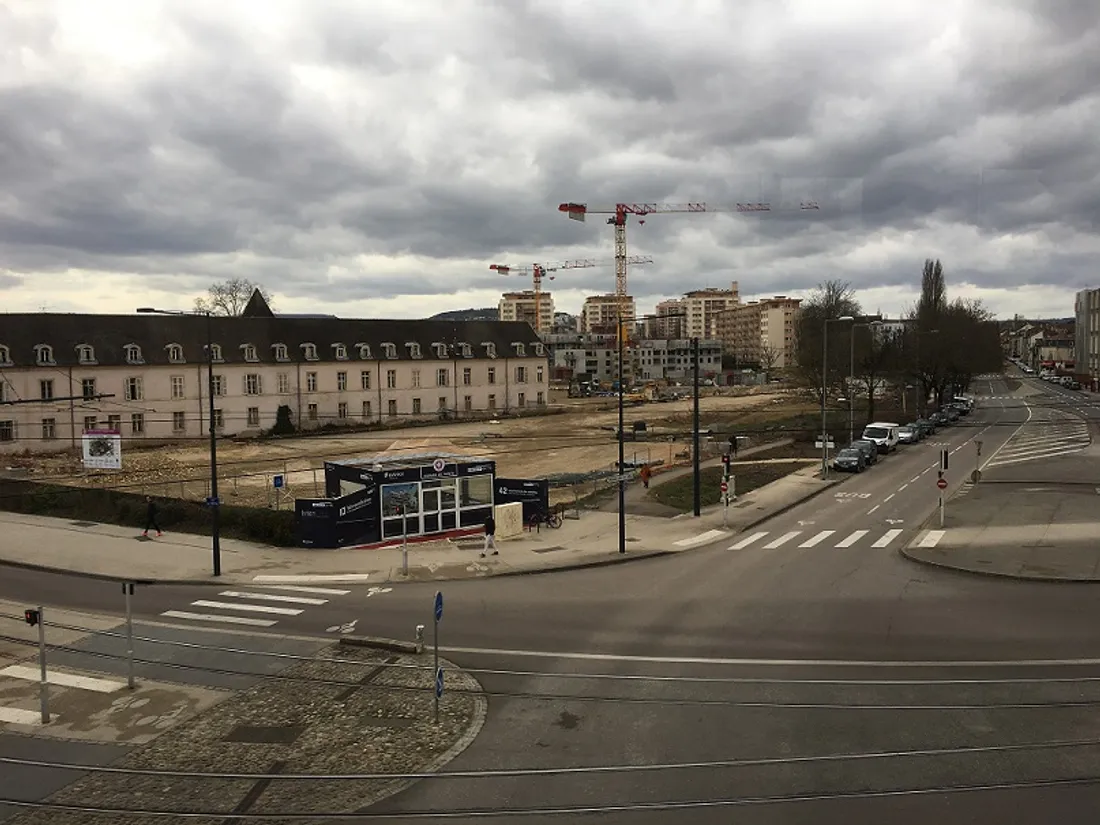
(773, 651)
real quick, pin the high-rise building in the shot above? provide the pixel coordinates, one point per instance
(600, 312)
(761, 332)
(1087, 333)
(520, 306)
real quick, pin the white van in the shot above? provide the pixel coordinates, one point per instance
(884, 434)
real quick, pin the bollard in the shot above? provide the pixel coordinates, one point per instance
(128, 591)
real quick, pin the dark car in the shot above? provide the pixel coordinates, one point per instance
(951, 412)
(908, 434)
(938, 419)
(925, 426)
(868, 448)
(850, 459)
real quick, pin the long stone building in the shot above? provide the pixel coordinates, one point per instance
(146, 375)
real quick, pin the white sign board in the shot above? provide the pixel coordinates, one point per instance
(102, 449)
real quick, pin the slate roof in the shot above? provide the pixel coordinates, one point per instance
(109, 334)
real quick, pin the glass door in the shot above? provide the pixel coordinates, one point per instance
(448, 505)
(429, 507)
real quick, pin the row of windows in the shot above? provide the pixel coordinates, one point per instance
(180, 418)
(133, 388)
(44, 354)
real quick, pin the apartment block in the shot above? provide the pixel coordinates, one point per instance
(600, 312)
(1087, 333)
(761, 332)
(521, 306)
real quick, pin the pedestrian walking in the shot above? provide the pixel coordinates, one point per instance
(151, 517)
(490, 536)
(646, 473)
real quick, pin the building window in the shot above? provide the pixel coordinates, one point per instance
(45, 389)
(179, 422)
(492, 379)
(284, 383)
(5, 356)
(414, 350)
(492, 402)
(341, 352)
(541, 399)
(253, 385)
(342, 382)
(133, 390)
(342, 410)
(442, 377)
(391, 379)
(367, 414)
(521, 375)
(311, 412)
(280, 352)
(175, 353)
(49, 429)
(310, 351)
(114, 422)
(215, 352)
(7, 431)
(467, 376)
(415, 379)
(311, 382)
(133, 354)
(442, 403)
(219, 385)
(89, 422)
(391, 408)
(253, 416)
(364, 351)
(87, 388)
(177, 387)
(250, 352)
(219, 420)
(416, 406)
(521, 400)
(364, 379)
(43, 354)
(468, 403)
(137, 423)
(538, 375)
(84, 353)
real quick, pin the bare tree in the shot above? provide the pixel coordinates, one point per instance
(230, 297)
(831, 299)
(769, 357)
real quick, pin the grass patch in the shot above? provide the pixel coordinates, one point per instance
(678, 493)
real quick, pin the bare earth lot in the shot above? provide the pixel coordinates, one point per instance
(579, 440)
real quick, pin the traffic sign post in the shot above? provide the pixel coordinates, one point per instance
(437, 614)
(941, 482)
(35, 617)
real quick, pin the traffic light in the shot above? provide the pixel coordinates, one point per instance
(31, 616)
(726, 460)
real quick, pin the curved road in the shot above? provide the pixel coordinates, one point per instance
(782, 647)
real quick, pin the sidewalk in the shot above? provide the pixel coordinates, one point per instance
(1022, 530)
(115, 552)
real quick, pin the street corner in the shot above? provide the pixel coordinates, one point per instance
(1078, 563)
(343, 714)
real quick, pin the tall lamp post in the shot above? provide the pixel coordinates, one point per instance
(852, 378)
(825, 388)
(213, 502)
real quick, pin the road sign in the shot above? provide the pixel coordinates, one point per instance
(213, 502)
(438, 465)
(439, 683)
(831, 445)
(942, 483)
(725, 487)
(278, 481)
(438, 605)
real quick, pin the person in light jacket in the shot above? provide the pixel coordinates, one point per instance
(490, 535)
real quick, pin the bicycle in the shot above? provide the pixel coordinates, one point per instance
(551, 518)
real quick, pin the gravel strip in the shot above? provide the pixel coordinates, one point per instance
(384, 726)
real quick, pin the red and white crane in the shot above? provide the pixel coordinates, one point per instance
(539, 271)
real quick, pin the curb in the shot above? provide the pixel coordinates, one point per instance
(585, 565)
(994, 574)
(789, 506)
(64, 571)
(381, 643)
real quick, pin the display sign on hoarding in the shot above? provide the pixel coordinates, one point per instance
(102, 449)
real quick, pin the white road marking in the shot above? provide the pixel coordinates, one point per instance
(931, 538)
(888, 537)
(852, 539)
(914, 479)
(211, 617)
(888, 497)
(55, 677)
(320, 591)
(1006, 461)
(18, 716)
(824, 534)
(903, 486)
(741, 545)
(270, 597)
(873, 509)
(335, 578)
(248, 608)
(702, 538)
(779, 542)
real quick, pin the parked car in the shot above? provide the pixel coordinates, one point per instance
(938, 419)
(908, 434)
(884, 434)
(868, 448)
(926, 426)
(850, 459)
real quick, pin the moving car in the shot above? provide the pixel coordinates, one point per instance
(850, 459)
(883, 433)
(868, 448)
(908, 434)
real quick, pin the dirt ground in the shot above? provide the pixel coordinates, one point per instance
(579, 440)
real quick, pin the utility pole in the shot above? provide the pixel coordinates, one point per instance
(697, 489)
(215, 504)
(622, 457)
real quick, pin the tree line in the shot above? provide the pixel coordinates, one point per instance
(936, 348)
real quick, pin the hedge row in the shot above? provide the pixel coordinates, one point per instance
(105, 506)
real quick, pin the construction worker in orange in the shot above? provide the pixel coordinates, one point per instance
(646, 473)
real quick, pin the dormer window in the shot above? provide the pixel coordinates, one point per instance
(414, 349)
(249, 351)
(309, 351)
(132, 353)
(175, 353)
(540, 350)
(85, 354)
(281, 353)
(340, 351)
(5, 356)
(521, 349)
(390, 349)
(490, 349)
(216, 352)
(43, 354)
(440, 349)
(467, 350)
(364, 351)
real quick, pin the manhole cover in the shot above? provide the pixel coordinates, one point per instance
(83, 523)
(265, 735)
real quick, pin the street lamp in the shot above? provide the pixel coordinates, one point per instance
(852, 377)
(212, 502)
(824, 389)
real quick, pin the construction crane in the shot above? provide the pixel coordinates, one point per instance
(620, 211)
(539, 271)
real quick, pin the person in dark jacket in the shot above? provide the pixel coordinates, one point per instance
(490, 535)
(151, 517)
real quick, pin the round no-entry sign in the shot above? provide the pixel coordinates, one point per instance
(942, 483)
(725, 487)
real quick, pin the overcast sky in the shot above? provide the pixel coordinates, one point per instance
(372, 158)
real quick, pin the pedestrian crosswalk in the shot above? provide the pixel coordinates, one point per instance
(1049, 433)
(255, 606)
(808, 539)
